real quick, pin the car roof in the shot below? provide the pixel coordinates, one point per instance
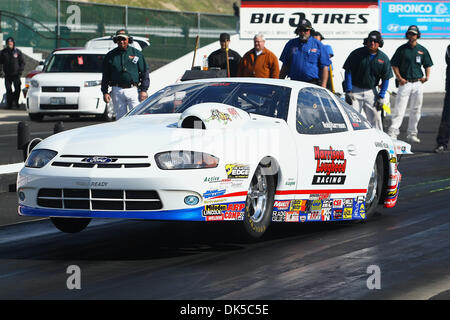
(82, 51)
(110, 38)
(278, 82)
(107, 42)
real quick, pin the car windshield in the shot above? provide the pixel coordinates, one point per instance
(75, 63)
(262, 99)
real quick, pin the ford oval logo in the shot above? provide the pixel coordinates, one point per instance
(97, 160)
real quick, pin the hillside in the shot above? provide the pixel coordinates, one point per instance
(210, 6)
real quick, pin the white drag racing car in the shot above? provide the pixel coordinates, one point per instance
(241, 149)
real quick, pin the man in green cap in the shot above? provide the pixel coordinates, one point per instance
(364, 68)
(125, 70)
(407, 64)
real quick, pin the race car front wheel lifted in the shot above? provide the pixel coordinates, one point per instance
(259, 204)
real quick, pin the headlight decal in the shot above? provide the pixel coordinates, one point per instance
(39, 158)
(181, 159)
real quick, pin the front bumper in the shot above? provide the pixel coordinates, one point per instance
(86, 101)
(171, 191)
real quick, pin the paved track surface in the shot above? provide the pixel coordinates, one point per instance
(161, 260)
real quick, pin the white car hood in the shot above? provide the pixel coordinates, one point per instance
(65, 78)
(135, 135)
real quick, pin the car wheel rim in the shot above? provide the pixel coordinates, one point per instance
(372, 187)
(258, 194)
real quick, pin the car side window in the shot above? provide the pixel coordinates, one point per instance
(317, 113)
(358, 121)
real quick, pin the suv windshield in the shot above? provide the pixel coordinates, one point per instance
(75, 63)
(262, 99)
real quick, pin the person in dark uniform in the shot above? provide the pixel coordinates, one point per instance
(444, 128)
(125, 70)
(364, 68)
(13, 63)
(305, 58)
(218, 59)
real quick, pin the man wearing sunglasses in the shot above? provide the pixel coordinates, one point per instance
(364, 68)
(305, 58)
(407, 64)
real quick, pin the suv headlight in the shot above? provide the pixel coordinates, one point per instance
(34, 83)
(92, 83)
(39, 158)
(176, 160)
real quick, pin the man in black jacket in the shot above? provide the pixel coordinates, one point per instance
(13, 63)
(218, 58)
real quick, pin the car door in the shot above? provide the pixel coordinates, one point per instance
(330, 161)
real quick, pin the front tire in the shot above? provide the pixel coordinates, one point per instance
(375, 187)
(259, 204)
(71, 225)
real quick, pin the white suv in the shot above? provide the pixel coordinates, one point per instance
(69, 84)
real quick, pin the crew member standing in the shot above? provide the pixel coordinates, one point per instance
(218, 59)
(407, 64)
(125, 70)
(444, 128)
(319, 36)
(364, 68)
(259, 62)
(305, 58)
(13, 64)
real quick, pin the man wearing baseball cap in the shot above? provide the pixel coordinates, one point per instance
(218, 58)
(305, 58)
(125, 70)
(407, 64)
(364, 68)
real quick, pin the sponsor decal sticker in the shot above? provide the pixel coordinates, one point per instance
(330, 167)
(282, 205)
(338, 203)
(214, 209)
(315, 216)
(326, 214)
(298, 205)
(362, 210)
(278, 216)
(237, 171)
(214, 193)
(292, 216)
(337, 214)
(348, 213)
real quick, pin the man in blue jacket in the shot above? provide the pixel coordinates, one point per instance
(305, 58)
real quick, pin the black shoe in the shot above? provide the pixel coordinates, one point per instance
(440, 149)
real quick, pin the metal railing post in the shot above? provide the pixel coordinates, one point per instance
(198, 27)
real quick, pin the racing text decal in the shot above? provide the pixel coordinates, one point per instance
(331, 165)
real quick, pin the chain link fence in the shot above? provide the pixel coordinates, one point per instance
(47, 24)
